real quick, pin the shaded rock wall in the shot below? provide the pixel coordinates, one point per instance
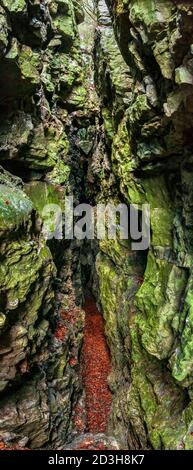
(144, 51)
(43, 93)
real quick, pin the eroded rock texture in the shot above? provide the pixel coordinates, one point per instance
(43, 90)
(144, 50)
(132, 143)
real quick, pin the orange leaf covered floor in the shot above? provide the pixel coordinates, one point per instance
(96, 366)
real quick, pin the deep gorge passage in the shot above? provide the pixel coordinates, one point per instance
(96, 103)
(96, 366)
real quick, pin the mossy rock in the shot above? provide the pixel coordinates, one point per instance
(155, 398)
(154, 191)
(42, 194)
(30, 65)
(15, 207)
(182, 360)
(48, 145)
(3, 32)
(77, 98)
(158, 301)
(119, 251)
(63, 18)
(14, 6)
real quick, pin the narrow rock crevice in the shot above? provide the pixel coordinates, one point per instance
(96, 102)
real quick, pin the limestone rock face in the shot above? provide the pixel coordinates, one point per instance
(144, 51)
(42, 86)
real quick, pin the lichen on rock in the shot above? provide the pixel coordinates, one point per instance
(147, 134)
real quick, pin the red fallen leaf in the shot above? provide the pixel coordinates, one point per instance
(71, 315)
(62, 312)
(73, 362)
(92, 445)
(3, 446)
(60, 332)
(78, 423)
(78, 418)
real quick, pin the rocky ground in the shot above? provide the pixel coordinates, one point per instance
(94, 441)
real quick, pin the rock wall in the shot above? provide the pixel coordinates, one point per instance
(43, 99)
(129, 142)
(144, 76)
